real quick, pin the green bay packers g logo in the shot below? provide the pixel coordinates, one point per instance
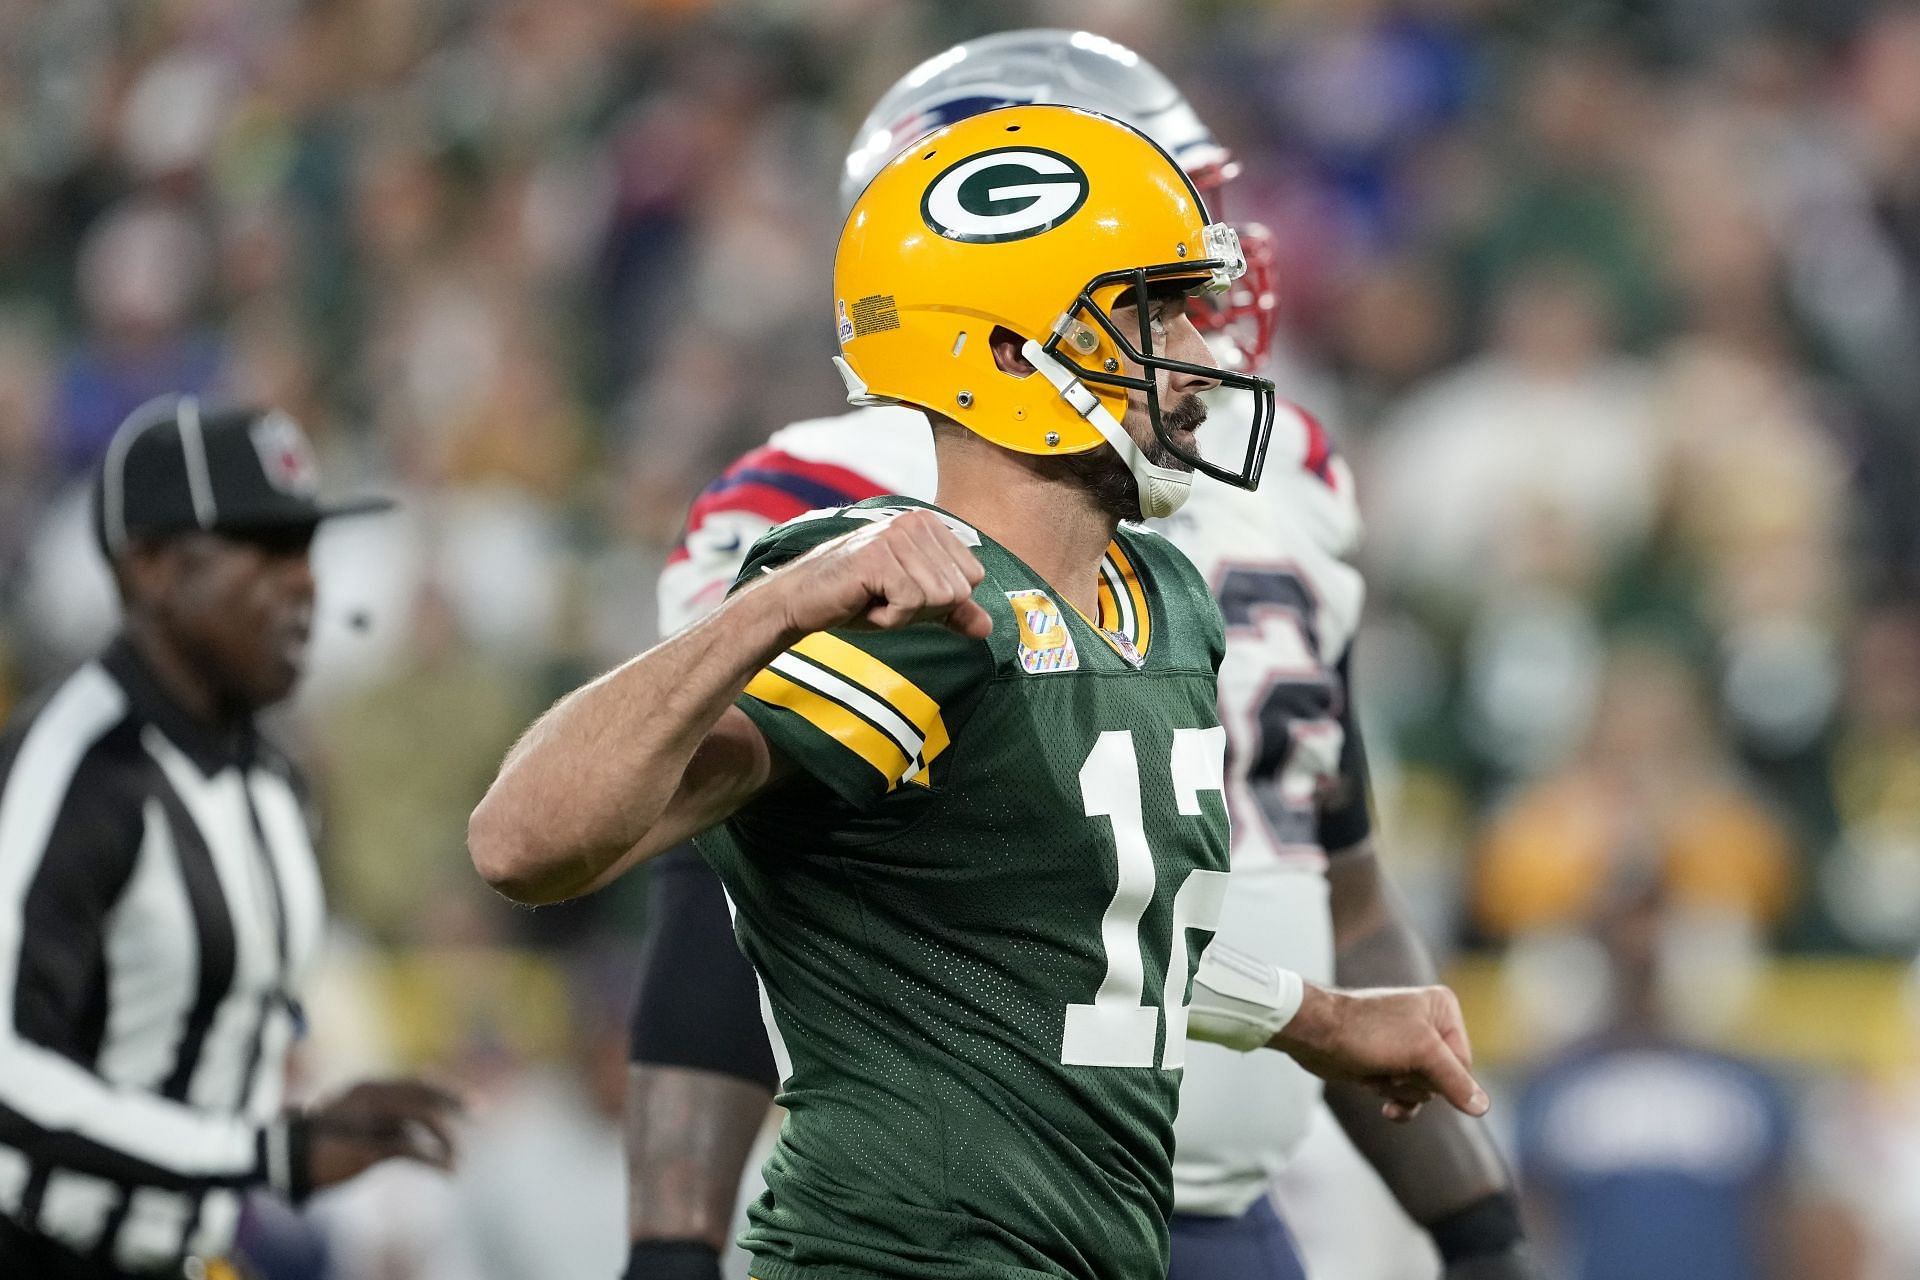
(1008, 193)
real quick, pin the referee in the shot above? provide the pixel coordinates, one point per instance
(159, 901)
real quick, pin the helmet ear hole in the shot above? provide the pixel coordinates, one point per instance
(1006, 345)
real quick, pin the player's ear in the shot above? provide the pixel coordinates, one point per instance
(1006, 346)
(145, 571)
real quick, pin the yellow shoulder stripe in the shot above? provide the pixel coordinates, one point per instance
(900, 694)
(1109, 608)
(834, 720)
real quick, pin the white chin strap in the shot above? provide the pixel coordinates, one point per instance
(1162, 489)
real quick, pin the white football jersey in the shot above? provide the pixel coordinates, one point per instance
(804, 466)
(1277, 560)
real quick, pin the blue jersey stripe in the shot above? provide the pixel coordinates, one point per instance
(806, 490)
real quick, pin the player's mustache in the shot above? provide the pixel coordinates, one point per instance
(1185, 416)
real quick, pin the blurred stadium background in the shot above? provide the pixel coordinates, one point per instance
(1614, 304)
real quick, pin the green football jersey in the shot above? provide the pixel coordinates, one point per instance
(975, 906)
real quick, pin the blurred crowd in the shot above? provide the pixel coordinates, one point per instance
(1614, 304)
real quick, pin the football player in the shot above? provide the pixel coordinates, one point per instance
(958, 763)
(1308, 892)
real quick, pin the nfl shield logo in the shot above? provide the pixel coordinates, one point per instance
(1125, 645)
(285, 456)
(1045, 643)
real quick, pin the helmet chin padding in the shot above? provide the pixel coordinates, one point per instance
(1163, 490)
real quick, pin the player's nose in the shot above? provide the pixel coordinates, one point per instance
(1185, 343)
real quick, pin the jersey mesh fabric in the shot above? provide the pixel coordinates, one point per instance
(920, 945)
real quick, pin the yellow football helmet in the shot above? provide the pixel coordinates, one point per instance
(1039, 219)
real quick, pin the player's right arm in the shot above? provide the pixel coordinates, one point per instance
(655, 751)
(1406, 1044)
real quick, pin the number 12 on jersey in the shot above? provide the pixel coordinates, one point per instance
(1116, 1030)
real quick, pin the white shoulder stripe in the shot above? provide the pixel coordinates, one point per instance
(854, 698)
(1122, 599)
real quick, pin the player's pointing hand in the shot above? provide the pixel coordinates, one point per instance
(1406, 1044)
(912, 568)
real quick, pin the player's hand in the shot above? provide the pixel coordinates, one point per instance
(1405, 1043)
(379, 1120)
(909, 569)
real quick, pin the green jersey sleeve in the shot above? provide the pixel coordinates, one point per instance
(862, 712)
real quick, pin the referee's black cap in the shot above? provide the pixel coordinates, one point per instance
(177, 465)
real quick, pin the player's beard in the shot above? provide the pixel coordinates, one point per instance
(1104, 474)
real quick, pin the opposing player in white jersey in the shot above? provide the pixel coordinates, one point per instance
(1306, 893)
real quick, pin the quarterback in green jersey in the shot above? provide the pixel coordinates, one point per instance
(959, 763)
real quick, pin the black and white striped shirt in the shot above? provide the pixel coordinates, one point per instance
(159, 906)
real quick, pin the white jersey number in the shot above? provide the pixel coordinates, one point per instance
(1116, 1030)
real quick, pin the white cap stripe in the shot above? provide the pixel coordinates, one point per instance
(114, 471)
(193, 445)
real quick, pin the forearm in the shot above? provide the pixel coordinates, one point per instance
(1435, 1164)
(1441, 1161)
(602, 780)
(63, 1116)
(1375, 945)
(689, 1134)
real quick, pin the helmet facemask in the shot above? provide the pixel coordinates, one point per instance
(1074, 342)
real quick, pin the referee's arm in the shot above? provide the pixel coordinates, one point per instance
(70, 835)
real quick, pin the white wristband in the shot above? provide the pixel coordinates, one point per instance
(1240, 1000)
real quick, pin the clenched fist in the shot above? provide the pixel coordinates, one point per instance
(909, 569)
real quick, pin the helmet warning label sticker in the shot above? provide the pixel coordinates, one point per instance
(1045, 642)
(875, 313)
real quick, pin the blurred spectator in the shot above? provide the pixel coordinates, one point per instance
(540, 1192)
(1869, 1154)
(25, 452)
(1389, 333)
(1358, 94)
(1568, 193)
(143, 270)
(1651, 793)
(1871, 884)
(1536, 460)
(542, 1184)
(1646, 1157)
(396, 848)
